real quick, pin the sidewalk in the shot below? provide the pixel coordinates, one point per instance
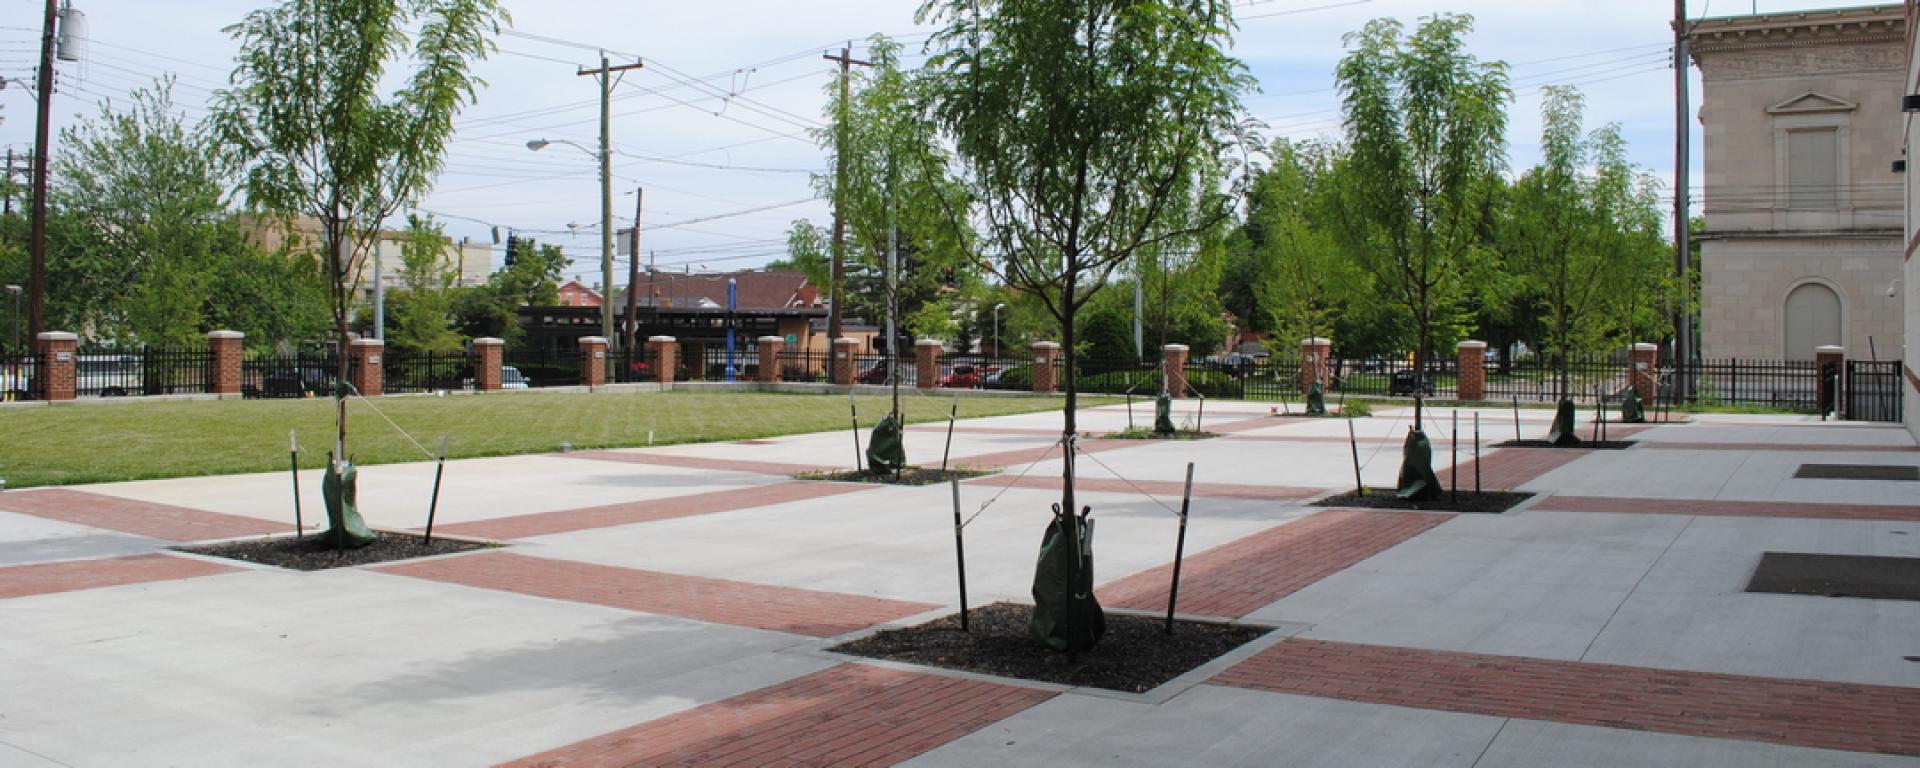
(671, 606)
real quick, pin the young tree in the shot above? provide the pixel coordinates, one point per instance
(422, 318)
(1424, 127)
(890, 162)
(310, 118)
(1306, 281)
(1078, 126)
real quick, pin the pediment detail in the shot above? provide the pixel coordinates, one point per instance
(1812, 102)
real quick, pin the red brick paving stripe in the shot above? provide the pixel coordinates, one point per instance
(1166, 489)
(1244, 576)
(849, 715)
(1848, 716)
(1804, 447)
(782, 609)
(1809, 511)
(698, 462)
(647, 510)
(48, 578)
(1511, 468)
(142, 518)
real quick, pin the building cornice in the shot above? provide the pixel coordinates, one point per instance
(1841, 26)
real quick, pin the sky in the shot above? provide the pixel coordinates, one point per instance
(718, 124)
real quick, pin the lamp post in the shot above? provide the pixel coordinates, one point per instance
(733, 302)
(606, 231)
(996, 330)
(15, 291)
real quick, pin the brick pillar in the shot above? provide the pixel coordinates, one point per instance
(229, 360)
(926, 363)
(593, 360)
(1046, 373)
(1472, 383)
(769, 352)
(367, 372)
(487, 357)
(843, 349)
(1173, 367)
(57, 352)
(663, 353)
(1316, 362)
(1644, 361)
(1822, 357)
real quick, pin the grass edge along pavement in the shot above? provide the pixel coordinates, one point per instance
(117, 442)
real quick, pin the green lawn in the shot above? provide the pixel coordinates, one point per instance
(69, 445)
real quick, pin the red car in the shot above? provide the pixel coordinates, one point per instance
(962, 377)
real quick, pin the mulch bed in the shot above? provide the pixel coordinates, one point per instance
(1136, 654)
(312, 553)
(1594, 445)
(1486, 502)
(1799, 573)
(1148, 434)
(908, 476)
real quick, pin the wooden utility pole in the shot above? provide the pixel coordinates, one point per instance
(839, 185)
(37, 239)
(604, 74)
(1682, 216)
(633, 268)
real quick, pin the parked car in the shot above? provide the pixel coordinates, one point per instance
(875, 373)
(511, 378)
(1410, 383)
(1236, 364)
(962, 377)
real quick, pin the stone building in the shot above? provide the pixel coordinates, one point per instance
(1910, 233)
(1804, 233)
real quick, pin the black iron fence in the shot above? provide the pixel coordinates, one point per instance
(534, 367)
(18, 379)
(296, 374)
(1872, 391)
(411, 371)
(101, 372)
(1785, 384)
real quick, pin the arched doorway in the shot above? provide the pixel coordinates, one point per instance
(1812, 320)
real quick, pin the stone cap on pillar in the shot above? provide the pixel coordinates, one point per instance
(929, 343)
(489, 341)
(369, 343)
(1046, 345)
(225, 335)
(772, 340)
(58, 336)
(844, 341)
(1829, 349)
(1471, 344)
(589, 340)
(1645, 347)
(1316, 342)
(1175, 348)
(660, 339)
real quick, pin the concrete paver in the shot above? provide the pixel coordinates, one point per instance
(1637, 563)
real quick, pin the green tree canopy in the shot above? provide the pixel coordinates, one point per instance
(1425, 124)
(311, 119)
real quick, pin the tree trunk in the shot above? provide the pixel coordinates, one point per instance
(1067, 365)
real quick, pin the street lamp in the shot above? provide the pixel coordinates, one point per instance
(606, 232)
(998, 350)
(15, 292)
(733, 303)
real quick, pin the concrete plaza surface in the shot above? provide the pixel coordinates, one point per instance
(672, 606)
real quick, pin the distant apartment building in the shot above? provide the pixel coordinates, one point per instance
(471, 263)
(1804, 234)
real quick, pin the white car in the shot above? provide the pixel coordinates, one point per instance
(511, 378)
